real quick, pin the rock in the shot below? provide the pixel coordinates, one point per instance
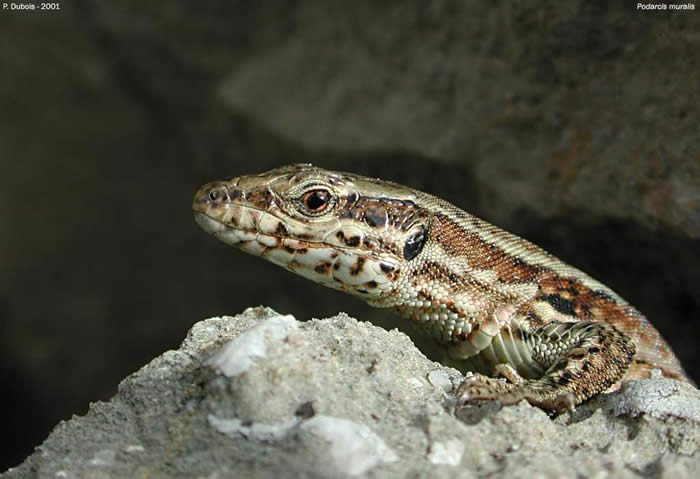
(264, 395)
(539, 114)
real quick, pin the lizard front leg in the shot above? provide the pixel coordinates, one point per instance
(580, 360)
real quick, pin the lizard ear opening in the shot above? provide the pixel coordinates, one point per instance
(414, 243)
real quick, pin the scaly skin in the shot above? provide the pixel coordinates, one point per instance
(500, 305)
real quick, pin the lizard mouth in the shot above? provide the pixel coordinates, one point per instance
(253, 239)
(226, 213)
(263, 234)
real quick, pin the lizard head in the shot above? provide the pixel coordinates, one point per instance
(344, 231)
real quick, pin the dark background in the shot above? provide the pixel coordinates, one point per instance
(573, 124)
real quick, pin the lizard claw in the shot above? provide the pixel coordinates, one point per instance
(478, 387)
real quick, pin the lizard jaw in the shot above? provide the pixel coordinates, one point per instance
(325, 264)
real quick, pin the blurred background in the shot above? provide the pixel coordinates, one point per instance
(574, 124)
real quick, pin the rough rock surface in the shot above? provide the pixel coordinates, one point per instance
(566, 120)
(263, 395)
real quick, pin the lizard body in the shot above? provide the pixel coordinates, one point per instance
(499, 304)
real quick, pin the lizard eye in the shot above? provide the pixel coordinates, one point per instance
(316, 200)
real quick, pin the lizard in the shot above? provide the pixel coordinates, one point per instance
(520, 323)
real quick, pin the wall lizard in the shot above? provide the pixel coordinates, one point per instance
(527, 325)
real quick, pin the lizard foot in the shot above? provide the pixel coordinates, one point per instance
(478, 387)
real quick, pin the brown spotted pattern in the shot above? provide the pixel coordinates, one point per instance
(501, 305)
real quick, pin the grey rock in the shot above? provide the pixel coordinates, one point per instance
(537, 112)
(263, 395)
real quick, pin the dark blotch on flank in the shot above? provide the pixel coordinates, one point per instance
(571, 290)
(371, 284)
(236, 194)
(564, 306)
(603, 295)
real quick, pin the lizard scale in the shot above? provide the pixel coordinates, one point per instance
(500, 305)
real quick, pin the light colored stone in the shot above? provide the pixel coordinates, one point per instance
(337, 397)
